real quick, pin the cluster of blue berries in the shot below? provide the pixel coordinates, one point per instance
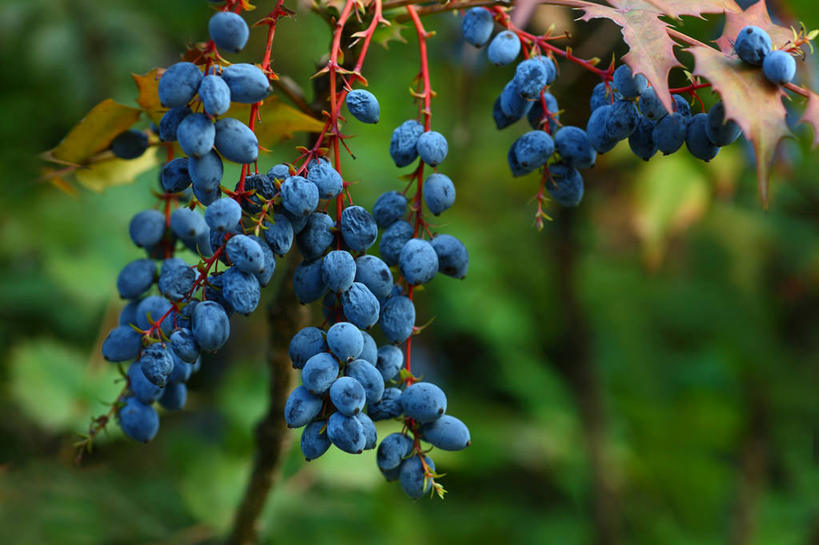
(348, 381)
(623, 108)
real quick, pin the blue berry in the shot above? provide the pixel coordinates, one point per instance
(347, 396)
(446, 433)
(301, 407)
(299, 196)
(129, 144)
(360, 306)
(188, 224)
(504, 48)
(317, 236)
(453, 259)
(423, 402)
(369, 377)
(235, 141)
(669, 132)
(370, 351)
(147, 228)
(397, 318)
(184, 345)
(241, 290)
(413, 477)
(779, 67)
(358, 228)
(122, 344)
(179, 84)
(245, 253)
(174, 396)
(641, 140)
(533, 149)
(389, 208)
(305, 344)
(314, 441)
(247, 83)
(338, 270)
(514, 106)
(206, 175)
(141, 387)
(650, 105)
(752, 45)
(531, 76)
(138, 420)
(156, 363)
(720, 131)
(326, 178)
(390, 361)
(389, 406)
(629, 86)
(345, 341)
(370, 432)
(392, 451)
(432, 147)
(169, 123)
(196, 135)
(210, 326)
(176, 278)
(228, 31)
(622, 120)
(566, 186)
(174, 175)
(346, 433)
(363, 105)
(418, 261)
(403, 143)
(375, 274)
(477, 26)
(151, 310)
(439, 193)
(603, 96)
(596, 130)
(215, 95)
(136, 278)
(223, 215)
(319, 373)
(279, 234)
(307, 282)
(697, 141)
(393, 240)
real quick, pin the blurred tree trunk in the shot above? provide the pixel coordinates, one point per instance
(572, 358)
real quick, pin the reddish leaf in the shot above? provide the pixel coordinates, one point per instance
(651, 49)
(756, 15)
(751, 101)
(811, 116)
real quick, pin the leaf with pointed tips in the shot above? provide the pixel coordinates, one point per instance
(811, 116)
(114, 171)
(756, 15)
(148, 97)
(751, 101)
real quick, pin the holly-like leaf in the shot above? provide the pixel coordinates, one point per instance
(756, 15)
(93, 133)
(750, 100)
(811, 116)
(651, 49)
(278, 120)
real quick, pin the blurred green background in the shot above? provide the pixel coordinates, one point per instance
(642, 371)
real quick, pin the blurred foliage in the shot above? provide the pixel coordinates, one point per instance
(699, 309)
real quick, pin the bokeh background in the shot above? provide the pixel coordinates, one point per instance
(642, 371)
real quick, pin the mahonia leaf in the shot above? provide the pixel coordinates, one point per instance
(148, 94)
(751, 101)
(113, 171)
(651, 49)
(756, 15)
(811, 116)
(383, 35)
(93, 133)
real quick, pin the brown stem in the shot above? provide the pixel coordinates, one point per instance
(753, 463)
(286, 316)
(573, 360)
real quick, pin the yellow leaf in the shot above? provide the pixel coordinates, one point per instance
(94, 133)
(148, 98)
(112, 172)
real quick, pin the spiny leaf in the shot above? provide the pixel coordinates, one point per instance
(148, 97)
(756, 15)
(278, 120)
(93, 133)
(383, 35)
(651, 50)
(811, 116)
(751, 101)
